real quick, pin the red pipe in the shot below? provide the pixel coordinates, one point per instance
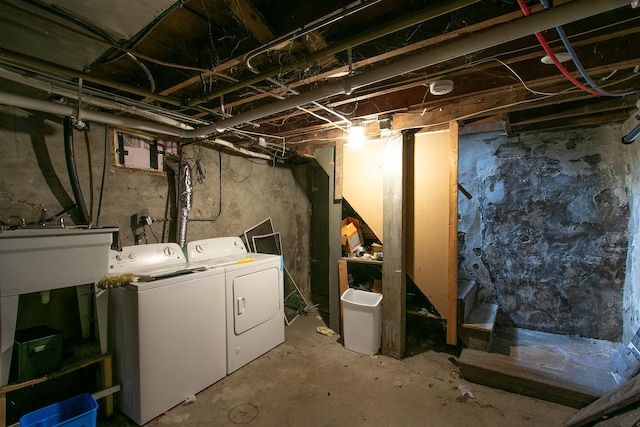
(547, 48)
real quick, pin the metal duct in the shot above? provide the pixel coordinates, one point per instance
(184, 191)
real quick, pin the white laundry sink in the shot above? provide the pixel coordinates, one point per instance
(40, 259)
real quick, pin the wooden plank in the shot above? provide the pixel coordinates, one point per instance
(429, 248)
(623, 396)
(466, 300)
(252, 19)
(362, 182)
(555, 383)
(452, 291)
(482, 317)
(394, 266)
(106, 374)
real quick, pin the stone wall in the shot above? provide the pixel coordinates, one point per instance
(546, 232)
(631, 302)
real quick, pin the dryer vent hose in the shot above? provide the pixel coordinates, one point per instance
(182, 174)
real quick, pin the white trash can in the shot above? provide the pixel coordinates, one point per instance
(362, 321)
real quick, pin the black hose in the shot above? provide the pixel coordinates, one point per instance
(73, 173)
(104, 173)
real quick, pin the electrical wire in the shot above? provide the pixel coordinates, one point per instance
(152, 232)
(552, 56)
(567, 44)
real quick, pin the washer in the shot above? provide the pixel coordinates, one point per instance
(166, 331)
(254, 296)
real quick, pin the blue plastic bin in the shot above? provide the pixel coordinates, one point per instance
(77, 411)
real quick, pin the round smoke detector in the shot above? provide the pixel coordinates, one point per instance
(441, 87)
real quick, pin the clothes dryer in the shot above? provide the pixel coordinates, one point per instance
(166, 330)
(254, 296)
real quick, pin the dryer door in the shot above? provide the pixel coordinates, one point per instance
(256, 299)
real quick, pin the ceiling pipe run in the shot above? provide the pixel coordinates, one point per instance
(40, 64)
(92, 116)
(398, 25)
(523, 27)
(510, 31)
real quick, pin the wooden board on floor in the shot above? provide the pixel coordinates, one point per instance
(625, 395)
(537, 371)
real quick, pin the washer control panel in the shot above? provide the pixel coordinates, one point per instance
(160, 255)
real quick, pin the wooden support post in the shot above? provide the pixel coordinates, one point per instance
(452, 297)
(394, 265)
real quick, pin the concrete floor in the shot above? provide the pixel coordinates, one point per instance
(312, 380)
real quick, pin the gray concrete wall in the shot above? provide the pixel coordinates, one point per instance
(546, 232)
(33, 176)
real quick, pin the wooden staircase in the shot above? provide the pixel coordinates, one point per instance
(477, 320)
(568, 370)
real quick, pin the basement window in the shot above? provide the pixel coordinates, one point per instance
(144, 152)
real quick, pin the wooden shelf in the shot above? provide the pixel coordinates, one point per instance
(83, 355)
(362, 260)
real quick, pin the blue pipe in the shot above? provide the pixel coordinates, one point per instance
(567, 44)
(631, 136)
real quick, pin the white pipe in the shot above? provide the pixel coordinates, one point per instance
(559, 15)
(89, 99)
(95, 116)
(244, 151)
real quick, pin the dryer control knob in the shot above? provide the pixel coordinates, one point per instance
(131, 255)
(168, 251)
(199, 249)
(119, 257)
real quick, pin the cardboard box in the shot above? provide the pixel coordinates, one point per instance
(351, 234)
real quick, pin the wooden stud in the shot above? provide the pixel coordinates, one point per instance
(452, 318)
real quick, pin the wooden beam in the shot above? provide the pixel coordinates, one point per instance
(394, 266)
(452, 317)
